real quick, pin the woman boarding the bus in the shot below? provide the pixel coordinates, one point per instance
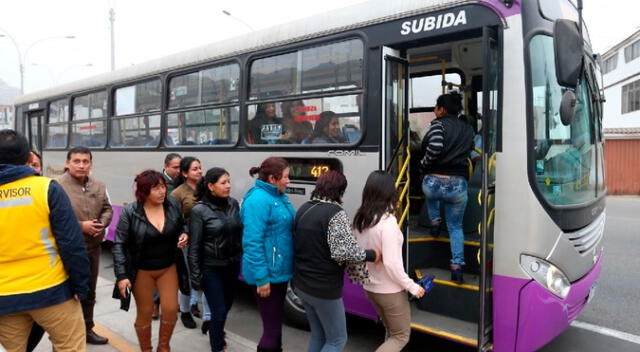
(267, 243)
(447, 145)
(324, 244)
(215, 249)
(378, 229)
(146, 255)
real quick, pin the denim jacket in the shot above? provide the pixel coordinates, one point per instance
(267, 240)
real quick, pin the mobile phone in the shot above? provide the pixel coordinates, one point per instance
(127, 292)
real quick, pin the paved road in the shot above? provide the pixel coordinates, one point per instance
(614, 306)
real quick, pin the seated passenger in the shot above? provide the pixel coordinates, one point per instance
(266, 127)
(327, 129)
(296, 127)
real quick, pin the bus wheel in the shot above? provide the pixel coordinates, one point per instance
(294, 310)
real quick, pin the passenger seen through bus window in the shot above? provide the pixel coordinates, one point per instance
(327, 129)
(297, 127)
(266, 127)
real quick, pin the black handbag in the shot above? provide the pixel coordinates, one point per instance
(125, 302)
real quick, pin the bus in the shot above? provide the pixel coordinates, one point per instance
(535, 217)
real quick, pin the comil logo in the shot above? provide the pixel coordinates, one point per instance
(430, 23)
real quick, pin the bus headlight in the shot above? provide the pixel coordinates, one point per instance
(546, 274)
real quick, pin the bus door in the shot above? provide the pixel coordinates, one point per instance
(395, 131)
(33, 129)
(490, 145)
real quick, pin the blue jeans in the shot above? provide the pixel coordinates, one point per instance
(452, 191)
(219, 285)
(187, 301)
(328, 322)
(192, 299)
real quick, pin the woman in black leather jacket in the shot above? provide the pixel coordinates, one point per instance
(146, 255)
(215, 248)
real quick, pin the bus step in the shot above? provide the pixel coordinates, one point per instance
(448, 298)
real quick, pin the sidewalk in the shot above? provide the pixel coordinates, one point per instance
(117, 325)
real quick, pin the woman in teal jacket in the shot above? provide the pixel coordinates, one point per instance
(267, 244)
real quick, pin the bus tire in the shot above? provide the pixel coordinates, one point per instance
(294, 310)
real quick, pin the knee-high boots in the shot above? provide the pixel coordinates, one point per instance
(166, 330)
(144, 337)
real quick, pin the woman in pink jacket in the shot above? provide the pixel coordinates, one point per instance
(388, 282)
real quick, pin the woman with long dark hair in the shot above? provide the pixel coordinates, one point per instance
(387, 290)
(324, 244)
(267, 244)
(266, 127)
(327, 129)
(447, 145)
(215, 249)
(146, 254)
(185, 193)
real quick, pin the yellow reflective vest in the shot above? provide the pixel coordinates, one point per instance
(29, 258)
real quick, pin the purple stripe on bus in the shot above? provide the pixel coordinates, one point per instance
(111, 230)
(500, 9)
(356, 302)
(541, 315)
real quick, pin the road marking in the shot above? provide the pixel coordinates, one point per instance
(115, 341)
(606, 331)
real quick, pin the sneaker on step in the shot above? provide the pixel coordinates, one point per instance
(456, 275)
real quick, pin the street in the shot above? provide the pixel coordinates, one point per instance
(614, 306)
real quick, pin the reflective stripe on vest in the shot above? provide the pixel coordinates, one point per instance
(28, 251)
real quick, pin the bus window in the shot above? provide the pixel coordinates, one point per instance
(137, 131)
(221, 84)
(184, 91)
(140, 131)
(325, 120)
(426, 89)
(327, 67)
(88, 121)
(203, 127)
(139, 98)
(56, 131)
(565, 156)
(200, 126)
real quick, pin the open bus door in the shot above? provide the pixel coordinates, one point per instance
(490, 104)
(395, 132)
(33, 129)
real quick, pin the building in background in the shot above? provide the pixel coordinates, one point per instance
(7, 95)
(621, 70)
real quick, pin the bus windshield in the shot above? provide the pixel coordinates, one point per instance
(564, 156)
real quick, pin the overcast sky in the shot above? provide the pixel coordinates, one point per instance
(148, 29)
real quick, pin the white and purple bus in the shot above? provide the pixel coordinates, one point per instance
(535, 216)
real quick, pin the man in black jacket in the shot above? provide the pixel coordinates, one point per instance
(45, 268)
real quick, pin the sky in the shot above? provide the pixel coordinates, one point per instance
(149, 29)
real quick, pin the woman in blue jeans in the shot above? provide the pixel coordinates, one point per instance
(447, 145)
(324, 244)
(215, 249)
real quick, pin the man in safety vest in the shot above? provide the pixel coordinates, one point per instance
(44, 268)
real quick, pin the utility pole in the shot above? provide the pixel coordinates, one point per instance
(112, 19)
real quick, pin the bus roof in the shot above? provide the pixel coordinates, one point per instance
(355, 16)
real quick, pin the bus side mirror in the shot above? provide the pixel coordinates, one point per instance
(567, 107)
(568, 47)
